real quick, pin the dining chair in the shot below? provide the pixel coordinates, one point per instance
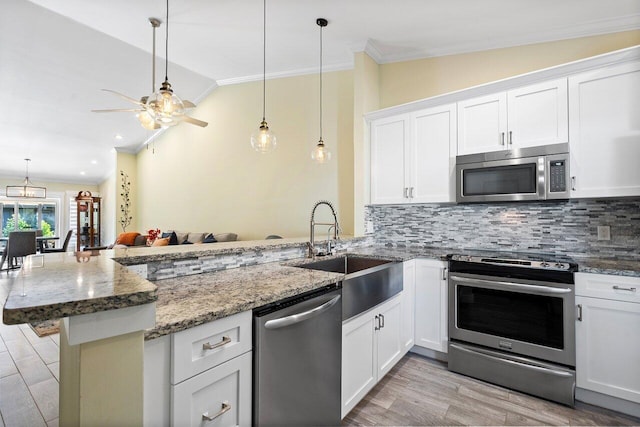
(64, 245)
(20, 244)
(4, 257)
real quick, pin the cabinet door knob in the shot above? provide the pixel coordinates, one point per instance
(226, 406)
(208, 346)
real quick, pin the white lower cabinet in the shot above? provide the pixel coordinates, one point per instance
(407, 333)
(220, 396)
(371, 346)
(200, 376)
(608, 335)
(431, 304)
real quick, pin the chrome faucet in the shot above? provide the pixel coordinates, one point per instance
(336, 230)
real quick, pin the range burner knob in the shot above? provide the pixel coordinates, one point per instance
(560, 265)
(545, 264)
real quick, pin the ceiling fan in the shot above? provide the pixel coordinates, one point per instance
(162, 108)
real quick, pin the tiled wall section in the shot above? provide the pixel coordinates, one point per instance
(558, 226)
(158, 270)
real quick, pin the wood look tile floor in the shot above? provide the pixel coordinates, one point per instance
(421, 392)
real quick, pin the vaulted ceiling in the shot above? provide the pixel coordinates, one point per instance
(56, 55)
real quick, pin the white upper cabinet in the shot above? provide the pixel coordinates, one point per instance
(388, 142)
(413, 157)
(524, 117)
(604, 112)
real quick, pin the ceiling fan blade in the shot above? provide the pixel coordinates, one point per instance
(128, 98)
(193, 121)
(188, 104)
(119, 110)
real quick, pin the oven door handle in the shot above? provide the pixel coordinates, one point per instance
(513, 362)
(509, 286)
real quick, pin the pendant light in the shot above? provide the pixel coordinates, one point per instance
(263, 140)
(166, 108)
(27, 189)
(320, 153)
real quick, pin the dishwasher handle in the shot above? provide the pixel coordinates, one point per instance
(301, 317)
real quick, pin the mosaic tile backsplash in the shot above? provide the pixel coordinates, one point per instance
(554, 226)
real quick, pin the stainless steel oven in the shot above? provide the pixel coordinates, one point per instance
(536, 173)
(511, 321)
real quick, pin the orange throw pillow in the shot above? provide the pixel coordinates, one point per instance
(161, 242)
(127, 238)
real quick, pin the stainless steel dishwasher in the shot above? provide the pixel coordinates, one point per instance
(297, 358)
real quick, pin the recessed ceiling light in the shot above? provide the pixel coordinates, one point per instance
(118, 136)
(82, 173)
(94, 162)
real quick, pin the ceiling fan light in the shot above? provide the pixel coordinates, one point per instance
(165, 107)
(146, 120)
(263, 140)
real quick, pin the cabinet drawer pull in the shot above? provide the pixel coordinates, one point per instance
(226, 406)
(579, 317)
(573, 183)
(620, 288)
(377, 325)
(207, 346)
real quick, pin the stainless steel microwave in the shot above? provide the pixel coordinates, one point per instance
(532, 173)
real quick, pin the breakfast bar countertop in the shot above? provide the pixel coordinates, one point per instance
(65, 284)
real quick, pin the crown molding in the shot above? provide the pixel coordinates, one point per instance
(282, 74)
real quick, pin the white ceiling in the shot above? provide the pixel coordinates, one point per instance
(56, 55)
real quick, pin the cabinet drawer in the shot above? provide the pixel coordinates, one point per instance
(197, 349)
(618, 288)
(222, 393)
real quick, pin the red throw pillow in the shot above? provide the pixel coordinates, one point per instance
(127, 238)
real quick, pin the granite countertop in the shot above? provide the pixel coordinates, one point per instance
(620, 266)
(60, 285)
(188, 301)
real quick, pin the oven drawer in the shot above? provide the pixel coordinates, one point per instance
(606, 286)
(531, 376)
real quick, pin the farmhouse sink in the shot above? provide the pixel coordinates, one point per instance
(346, 264)
(367, 281)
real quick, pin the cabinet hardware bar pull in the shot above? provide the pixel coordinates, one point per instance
(444, 273)
(621, 288)
(406, 193)
(377, 326)
(382, 317)
(411, 192)
(501, 138)
(226, 406)
(573, 183)
(510, 137)
(225, 341)
(579, 312)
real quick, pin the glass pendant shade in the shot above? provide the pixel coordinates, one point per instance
(263, 140)
(164, 106)
(147, 121)
(321, 154)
